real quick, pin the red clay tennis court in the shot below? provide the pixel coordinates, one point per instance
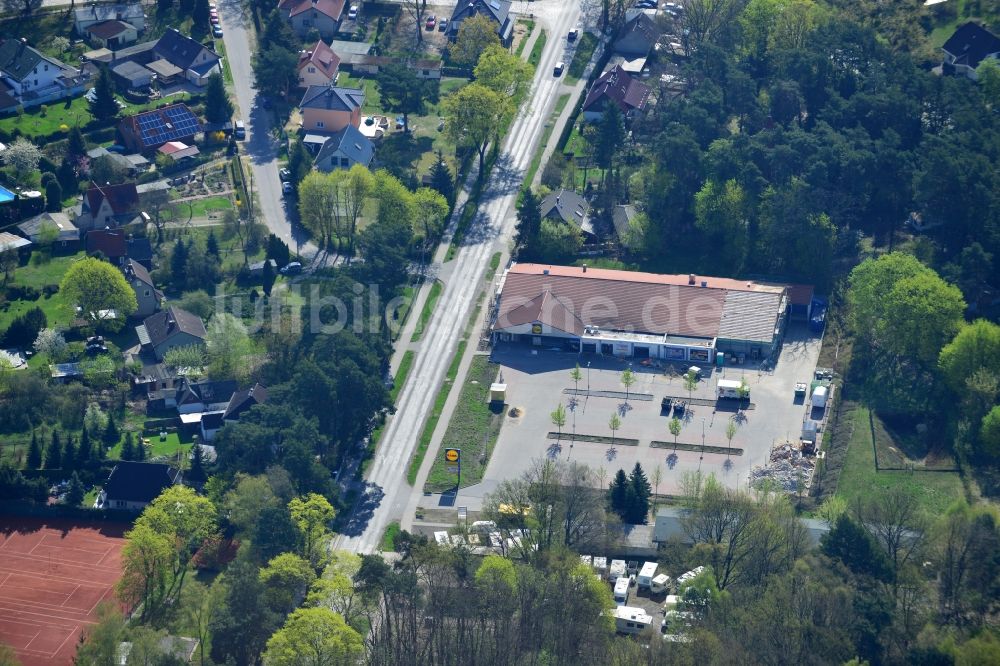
(53, 573)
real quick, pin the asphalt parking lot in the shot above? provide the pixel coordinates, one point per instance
(538, 380)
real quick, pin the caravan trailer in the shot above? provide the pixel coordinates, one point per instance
(617, 570)
(629, 620)
(659, 584)
(621, 591)
(646, 574)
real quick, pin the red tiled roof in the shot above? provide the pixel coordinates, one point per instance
(108, 29)
(322, 57)
(124, 198)
(112, 243)
(332, 8)
(618, 86)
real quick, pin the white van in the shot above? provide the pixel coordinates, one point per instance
(621, 591)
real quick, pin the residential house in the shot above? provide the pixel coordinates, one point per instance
(134, 485)
(344, 149)
(9, 242)
(569, 207)
(31, 78)
(318, 66)
(146, 294)
(497, 10)
(108, 206)
(305, 15)
(117, 247)
(194, 397)
(112, 34)
(93, 14)
(147, 131)
(131, 75)
(968, 47)
(48, 226)
(330, 108)
(638, 36)
(621, 219)
(133, 164)
(240, 403)
(196, 61)
(173, 327)
(616, 87)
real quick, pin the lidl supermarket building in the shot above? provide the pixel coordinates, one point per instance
(643, 315)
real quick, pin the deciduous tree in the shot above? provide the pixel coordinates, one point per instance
(312, 515)
(475, 34)
(99, 289)
(314, 636)
(474, 115)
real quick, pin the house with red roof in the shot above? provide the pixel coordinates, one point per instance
(107, 206)
(615, 86)
(318, 66)
(305, 15)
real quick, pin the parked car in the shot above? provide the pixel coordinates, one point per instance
(573, 34)
(285, 175)
(240, 130)
(431, 21)
(287, 188)
(217, 31)
(646, 4)
(352, 13)
(443, 24)
(214, 19)
(558, 70)
(292, 268)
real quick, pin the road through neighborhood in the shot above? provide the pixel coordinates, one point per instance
(387, 490)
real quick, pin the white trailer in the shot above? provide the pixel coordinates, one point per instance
(629, 620)
(601, 565)
(819, 396)
(659, 584)
(587, 559)
(621, 591)
(617, 569)
(728, 388)
(646, 574)
(685, 577)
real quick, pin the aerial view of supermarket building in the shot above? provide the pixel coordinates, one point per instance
(644, 315)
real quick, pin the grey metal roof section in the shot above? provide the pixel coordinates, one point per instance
(750, 315)
(358, 48)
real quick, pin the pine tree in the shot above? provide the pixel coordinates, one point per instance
(529, 223)
(69, 454)
(111, 432)
(34, 460)
(128, 447)
(53, 454)
(268, 277)
(85, 451)
(178, 265)
(105, 106)
(218, 108)
(200, 14)
(76, 144)
(75, 492)
(212, 244)
(53, 196)
(642, 490)
(442, 180)
(140, 450)
(197, 471)
(618, 493)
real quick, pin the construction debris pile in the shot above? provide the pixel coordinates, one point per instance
(787, 469)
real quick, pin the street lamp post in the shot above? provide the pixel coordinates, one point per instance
(588, 379)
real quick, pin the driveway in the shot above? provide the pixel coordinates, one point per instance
(260, 145)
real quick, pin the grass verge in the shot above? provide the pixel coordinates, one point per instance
(536, 50)
(389, 536)
(536, 161)
(432, 421)
(584, 52)
(474, 428)
(405, 365)
(425, 314)
(935, 490)
(494, 264)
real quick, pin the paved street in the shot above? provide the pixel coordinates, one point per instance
(388, 493)
(260, 144)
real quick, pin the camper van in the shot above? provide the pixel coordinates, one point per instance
(617, 570)
(646, 574)
(690, 575)
(629, 620)
(621, 591)
(659, 584)
(729, 389)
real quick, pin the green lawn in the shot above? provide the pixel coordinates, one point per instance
(33, 122)
(405, 365)
(530, 26)
(39, 273)
(428, 310)
(494, 264)
(935, 490)
(536, 50)
(546, 135)
(389, 536)
(432, 421)
(202, 207)
(585, 48)
(474, 428)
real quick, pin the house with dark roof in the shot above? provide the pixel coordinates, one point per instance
(571, 208)
(132, 75)
(968, 47)
(497, 11)
(117, 247)
(44, 227)
(305, 15)
(621, 219)
(616, 87)
(9, 241)
(112, 34)
(331, 108)
(31, 77)
(93, 14)
(240, 403)
(134, 485)
(196, 61)
(107, 206)
(318, 66)
(173, 327)
(344, 149)
(676, 318)
(638, 36)
(147, 131)
(146, 294)
(196, 397)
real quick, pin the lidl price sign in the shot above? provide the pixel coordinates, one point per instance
(452, 455)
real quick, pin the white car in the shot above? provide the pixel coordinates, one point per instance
(558, 70)
(352, 13)
(287, 188)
